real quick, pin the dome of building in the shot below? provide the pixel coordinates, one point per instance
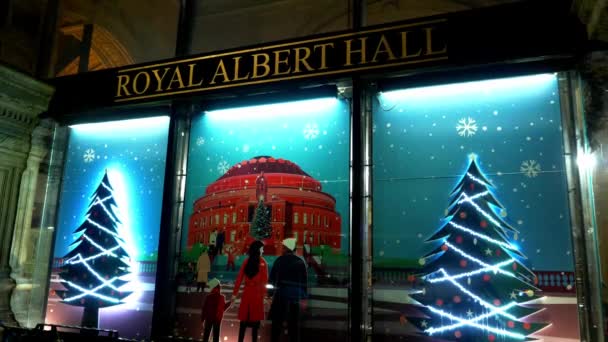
(296, 207)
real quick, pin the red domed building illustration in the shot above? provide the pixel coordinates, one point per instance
(296, 203)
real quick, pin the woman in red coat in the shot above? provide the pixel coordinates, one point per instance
(254, 272)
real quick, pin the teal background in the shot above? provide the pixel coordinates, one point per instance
(419, 157)
(315, 134)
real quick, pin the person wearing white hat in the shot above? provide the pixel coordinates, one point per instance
(213, 311)
(288, 278)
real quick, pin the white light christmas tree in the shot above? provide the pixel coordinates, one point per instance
(95, 269)
(475, 281)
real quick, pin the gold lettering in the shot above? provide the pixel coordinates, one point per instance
(147, 84)
(350, 51)
(177, 77)
(323, 53)
(159, 79)
(278, 62)
(236, 70)
(386, 48)
(404, 41)
(429, 43)
(257, 64)
(223, 72)
(191, 76)
(122, 85)
(303, 59)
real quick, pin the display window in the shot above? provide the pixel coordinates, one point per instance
(106, 239)
(269, 173)
(472, 227)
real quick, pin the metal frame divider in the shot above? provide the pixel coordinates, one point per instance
(581, 209)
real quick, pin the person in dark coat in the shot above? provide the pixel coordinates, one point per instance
(213, 311)
(288, 278)
(219, 241)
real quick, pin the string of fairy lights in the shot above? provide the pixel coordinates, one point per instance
(103, 252)
(491, 310)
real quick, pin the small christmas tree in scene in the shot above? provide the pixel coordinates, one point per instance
(260, 226)
(95, 267)
(475, 281)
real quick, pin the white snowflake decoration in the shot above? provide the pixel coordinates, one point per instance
(466, 127)
(223, 167)
(531, 168)
(311, 130)
(89, 155)
(200, 141)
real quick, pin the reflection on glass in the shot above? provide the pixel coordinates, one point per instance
(469, 181)
(108, 224)
(231, 24)
(267, 167)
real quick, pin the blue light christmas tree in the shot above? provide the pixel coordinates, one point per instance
(96, 266)
(475, 281)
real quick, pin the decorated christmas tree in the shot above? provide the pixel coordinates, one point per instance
(260, 226)
(94, 269)
(474, 281)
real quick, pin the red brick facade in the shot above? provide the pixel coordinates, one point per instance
(297, 205)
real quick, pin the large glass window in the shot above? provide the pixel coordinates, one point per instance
(114, 34)
(471, 237)
(230, 24)
(270, 165)
(380, 12)
(106, 240)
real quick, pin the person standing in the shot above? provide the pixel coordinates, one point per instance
(203, 267)
(288, 278)
(231, 258)
(220, 239)
(213, 237)
(254, 273)
(213, 311)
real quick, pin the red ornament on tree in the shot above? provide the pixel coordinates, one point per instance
(463, 263)
(459, 239)
(444, 247)
(486, 277)
(511, 324)
(514, 266)
(498, 252)
(439, 302)
(457, 299)
(496, 302)
(457, 334)
(483, 224)
(472, 186)
(463, 215)
(491, 337)
(527, 326)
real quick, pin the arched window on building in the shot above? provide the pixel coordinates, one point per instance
(312, 219)
(225, 218)
(234, 217)
(232, 235)
(296, 218)
(305, 218)
(325, 223)
(217, 219)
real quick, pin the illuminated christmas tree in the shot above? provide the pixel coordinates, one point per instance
(260, 226)
(95, 268)
(475, 281)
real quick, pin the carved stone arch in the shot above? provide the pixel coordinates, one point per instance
(106, 50)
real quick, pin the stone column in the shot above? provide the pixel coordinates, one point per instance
(22, 99)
